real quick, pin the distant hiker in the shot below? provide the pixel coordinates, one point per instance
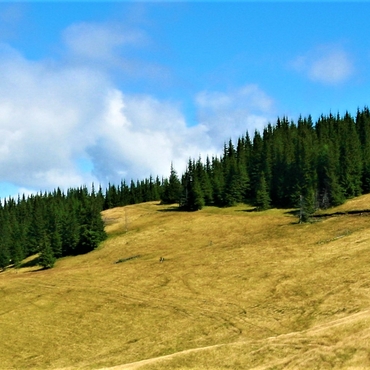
(161, 259)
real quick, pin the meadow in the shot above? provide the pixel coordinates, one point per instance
(238, 289)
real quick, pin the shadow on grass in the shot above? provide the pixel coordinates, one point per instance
(247, 210)
(294, 212)
(172, 209)
(127, 259)
(31, 263)
(365, 212)
(34, 262)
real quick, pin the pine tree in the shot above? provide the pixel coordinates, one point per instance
(363, 131)
(232, 190)
(4, 257)
(243, 157)
(307, 206)
(330, 190)
(350, 158)
(46, 258)
(5, 239)
(37, 227)
(262, 195)
(171, 188)
(124, 194)
(205, 181)
(17, 253)
(70, 228)
(91, 227)
(192, 197)
(218, 182)
(255, 167)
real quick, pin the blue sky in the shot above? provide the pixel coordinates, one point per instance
(104, 91)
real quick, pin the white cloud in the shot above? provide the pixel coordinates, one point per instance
(57, 118)
(109, 46)
(45, 116)
(326, 64)
(98, 41)
(53, 118)
(233, 113)
(140, 136)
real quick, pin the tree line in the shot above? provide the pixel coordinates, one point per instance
(304, 164)
(51, 224)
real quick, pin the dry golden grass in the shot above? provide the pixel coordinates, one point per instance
(237, 290)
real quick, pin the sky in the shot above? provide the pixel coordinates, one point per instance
(99, 92)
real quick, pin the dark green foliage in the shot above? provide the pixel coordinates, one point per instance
(4, 258)
(307, 206)
(46, 259)
(325, 162)
(37, 225)
(192, 196)
(171, 188)
(363, 129)
(5, 240)
(330, 191)
(91, 227)
(350, 157)
(262, 195)
(53, 225)
(217, 182)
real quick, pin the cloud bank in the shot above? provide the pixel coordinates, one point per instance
(65, 123)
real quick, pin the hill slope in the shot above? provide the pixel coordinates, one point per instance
(254, 290)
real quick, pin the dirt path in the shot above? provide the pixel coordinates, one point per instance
(312, 331)
(138, 364)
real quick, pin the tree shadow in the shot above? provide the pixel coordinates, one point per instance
(294, 212)
(248, 210)
(172, 209)
(31, 263)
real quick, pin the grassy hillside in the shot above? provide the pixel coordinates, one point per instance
(239, 289)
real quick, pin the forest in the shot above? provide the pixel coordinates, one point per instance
(51, 224)
(304, 165)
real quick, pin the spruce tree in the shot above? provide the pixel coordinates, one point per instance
(171, 188)
(307, 206)
(46, 258)
(4, 257)
(262, 195)
(329, 188)
(350, 158)
(192, 197)
(218, 182)
(5, 238)
(70, 229)
(205, 173)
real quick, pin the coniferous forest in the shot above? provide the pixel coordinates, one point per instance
(51, 224)
(306, 165)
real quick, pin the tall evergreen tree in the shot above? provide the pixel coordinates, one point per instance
(192, 197)
(171, 188)
(350, 158)
(46, 259)
(262, 201)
